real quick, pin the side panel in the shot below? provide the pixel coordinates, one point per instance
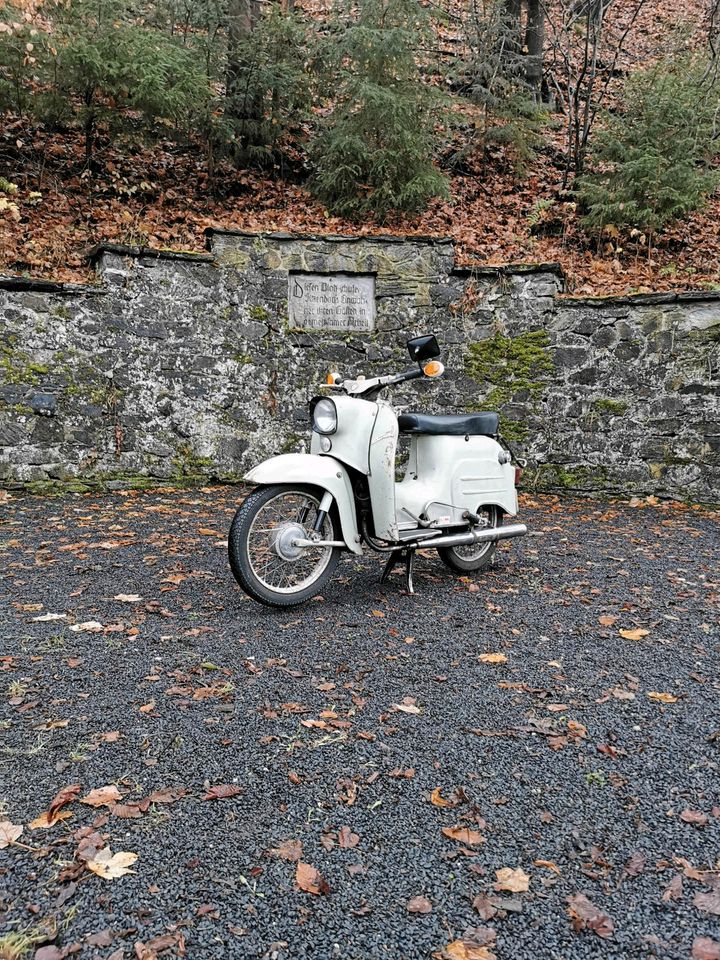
(454, 471)
(382, 473)
(322, 472)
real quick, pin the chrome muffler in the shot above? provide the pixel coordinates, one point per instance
(509, 532)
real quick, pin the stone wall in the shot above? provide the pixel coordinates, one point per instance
(185, 366)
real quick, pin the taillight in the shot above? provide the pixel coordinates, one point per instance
(518, 476)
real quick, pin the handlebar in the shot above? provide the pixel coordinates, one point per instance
(375, 384)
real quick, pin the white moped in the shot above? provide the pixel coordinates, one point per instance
(286, 539)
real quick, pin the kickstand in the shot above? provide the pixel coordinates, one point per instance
(396, 557)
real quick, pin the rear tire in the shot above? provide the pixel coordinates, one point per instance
(477, 556)
(263, 564)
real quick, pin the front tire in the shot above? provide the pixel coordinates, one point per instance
(476, 556)
(262, 556)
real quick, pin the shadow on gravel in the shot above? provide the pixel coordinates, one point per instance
(522, 764)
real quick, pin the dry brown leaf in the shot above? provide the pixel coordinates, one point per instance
(62, 798)
(167, 795)
(466, 950)
(709, 902)
(102, 796)
(347, 839)
(634, 634)
(418, 904)
(310, 880)
(585, 915)
(663, 697)
(45, 821)
(705, 948)
(696, 817)
(109, 865)
(439, 801)
(288, 850)
(222, 791)
(9, 833)
(513, 879)
(492, 658)
(472, 838)
(548, 864)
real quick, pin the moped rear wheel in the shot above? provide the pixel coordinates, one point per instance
(263, 556)
(475, 556)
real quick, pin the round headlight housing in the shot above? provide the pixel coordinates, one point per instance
(325, 419)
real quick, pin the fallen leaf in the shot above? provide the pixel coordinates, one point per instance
(663, 697)
(222, 792)
(288, 850)
(472, 838)
(9, 833)
(347, 839)
(439, 801)
(128, 597)
(709, 902)
(492, 658)
(548, 864)
(109, 865)
(466, 950)
(704, 948)
(634, 634)
(310, 880)
(418, 904)
(696, 817)
(585, 915)
(62, 798)
(45, 821)
(513, 879)
(167, 795)
(90, 626)
(47, 617)
(485, 906)
(407, 706)
(102, 796)
(635, 865)
(674, 890)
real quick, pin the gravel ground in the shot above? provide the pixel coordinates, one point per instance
(585, 759)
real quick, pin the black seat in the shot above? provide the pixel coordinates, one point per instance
(453, 425)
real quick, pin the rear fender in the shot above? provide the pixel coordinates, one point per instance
(317, 471)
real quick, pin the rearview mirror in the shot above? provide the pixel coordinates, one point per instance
(423, 348)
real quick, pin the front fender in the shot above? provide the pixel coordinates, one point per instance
(325, 472)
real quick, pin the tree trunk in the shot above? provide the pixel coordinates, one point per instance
(534, 41)
(242, 16)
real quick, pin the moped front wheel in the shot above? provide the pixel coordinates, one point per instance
(475, 556)
(264, 556)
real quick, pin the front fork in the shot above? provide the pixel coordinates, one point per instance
(323, 510)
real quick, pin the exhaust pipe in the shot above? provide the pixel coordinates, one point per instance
(509, 532)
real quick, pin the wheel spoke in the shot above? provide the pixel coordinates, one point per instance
(274, 560)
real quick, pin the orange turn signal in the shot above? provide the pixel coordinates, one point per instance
(433, 368)
(331, 379)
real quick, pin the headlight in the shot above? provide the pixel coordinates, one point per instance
(325, 417)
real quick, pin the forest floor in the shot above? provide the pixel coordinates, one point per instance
(518, 764)
(160, 194)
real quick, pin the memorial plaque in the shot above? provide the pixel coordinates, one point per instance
(337, 301)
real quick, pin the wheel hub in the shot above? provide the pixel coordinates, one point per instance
(281, 540)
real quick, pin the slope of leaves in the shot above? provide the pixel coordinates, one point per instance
(160, 196)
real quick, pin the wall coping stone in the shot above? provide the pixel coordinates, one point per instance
(638, 299)
(211, 232)
(507, 269)
(95, 253)
(11, 282)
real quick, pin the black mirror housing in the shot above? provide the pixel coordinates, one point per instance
(423, 348)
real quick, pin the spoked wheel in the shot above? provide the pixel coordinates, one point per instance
(475, 556)
(264, 557)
